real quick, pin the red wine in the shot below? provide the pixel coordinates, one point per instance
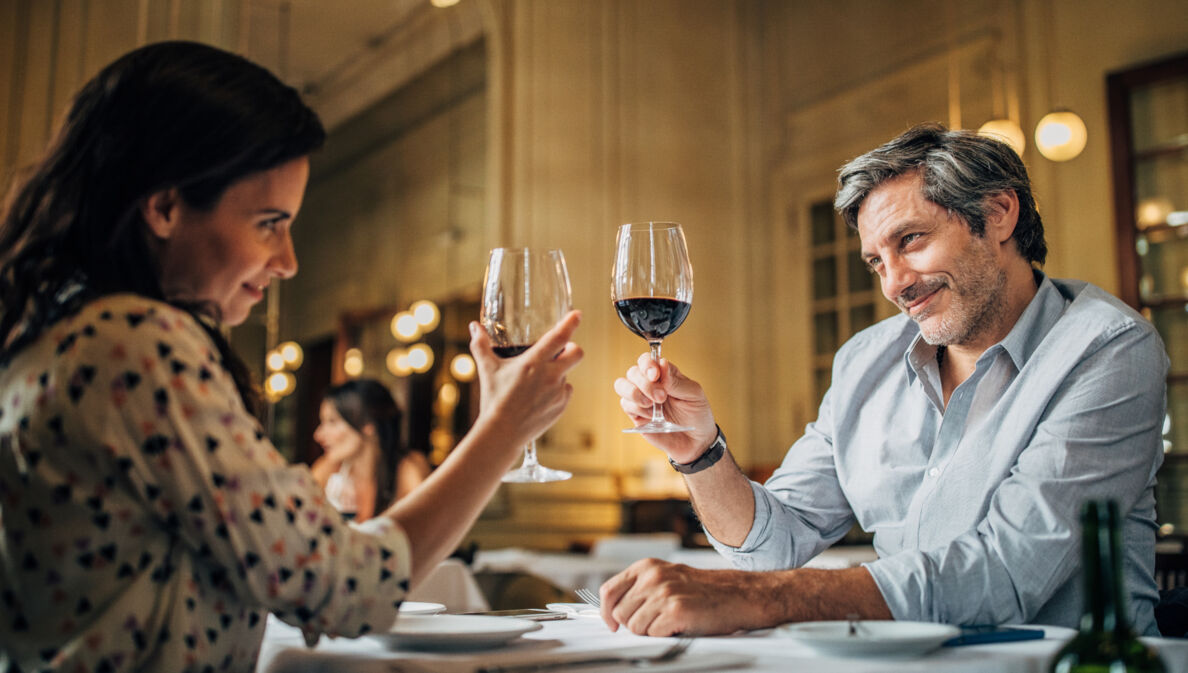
(510, 351)
(653, 318)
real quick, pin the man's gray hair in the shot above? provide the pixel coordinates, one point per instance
(959, 171)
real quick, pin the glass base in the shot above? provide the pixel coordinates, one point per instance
(535, 474)
(659, 427)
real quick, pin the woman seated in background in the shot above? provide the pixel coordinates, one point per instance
(148, 522)
(364, 466)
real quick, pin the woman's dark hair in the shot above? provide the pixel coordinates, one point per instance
(366, 401)
(959, 170)
(178, 115)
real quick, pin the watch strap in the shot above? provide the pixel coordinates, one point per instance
(706, 460)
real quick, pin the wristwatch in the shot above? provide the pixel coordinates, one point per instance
(712, 455)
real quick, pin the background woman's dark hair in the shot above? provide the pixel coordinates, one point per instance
(168, 115)
(958, 169)
(363, 401)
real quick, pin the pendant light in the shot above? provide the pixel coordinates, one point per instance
(1061, 134)
(1004, 127)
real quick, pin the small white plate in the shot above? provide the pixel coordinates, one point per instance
(419, 608)
(873, 638)
(432, 632)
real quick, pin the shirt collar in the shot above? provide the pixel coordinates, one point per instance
(1029, 330)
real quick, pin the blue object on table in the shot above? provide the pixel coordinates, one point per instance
(984, 634)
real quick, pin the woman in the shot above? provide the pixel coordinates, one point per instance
(364, 465)
(148, 523)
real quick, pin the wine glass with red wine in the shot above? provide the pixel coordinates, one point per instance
(525, 293)
(652, 288)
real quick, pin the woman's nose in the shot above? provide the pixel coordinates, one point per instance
(284, 264)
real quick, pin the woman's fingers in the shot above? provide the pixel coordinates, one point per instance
(554, 340)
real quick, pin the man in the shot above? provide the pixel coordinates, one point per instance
(964, 434)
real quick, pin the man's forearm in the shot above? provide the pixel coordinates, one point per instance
(723, 500)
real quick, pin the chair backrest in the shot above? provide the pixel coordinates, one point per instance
(1171, 562)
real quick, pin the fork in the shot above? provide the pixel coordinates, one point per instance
(589, 597)
(677, 649)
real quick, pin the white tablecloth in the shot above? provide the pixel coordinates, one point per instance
(766, 651)
(451, 584)
(581, 571)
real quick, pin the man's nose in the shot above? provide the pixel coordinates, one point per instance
(897, 277)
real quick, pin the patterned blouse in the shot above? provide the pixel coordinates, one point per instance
(147, 523)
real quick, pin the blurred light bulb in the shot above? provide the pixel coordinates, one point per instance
(405, 327)
(275, 361)
(279, 384)
(1153, 211)
(448, 394)
(462, 367)
(397, 362)
(426, 314)
(1061, 135)
(1007, 131)
(292, 354)
(420, 358)
(352, 364)
(443, 3)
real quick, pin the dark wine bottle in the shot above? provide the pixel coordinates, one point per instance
(1105, 643)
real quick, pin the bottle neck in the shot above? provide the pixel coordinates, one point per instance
(1105, 596)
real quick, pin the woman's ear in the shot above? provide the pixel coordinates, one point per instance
(160, 211)
(369, 431)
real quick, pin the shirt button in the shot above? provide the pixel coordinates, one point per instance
(934, 471)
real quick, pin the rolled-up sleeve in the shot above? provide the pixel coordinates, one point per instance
(800, 511)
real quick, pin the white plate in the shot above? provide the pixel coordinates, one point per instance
(873, 639)
(435, 632)
(419, 608)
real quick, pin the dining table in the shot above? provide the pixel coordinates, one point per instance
(583, 635)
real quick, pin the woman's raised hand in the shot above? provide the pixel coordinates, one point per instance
(523, 396)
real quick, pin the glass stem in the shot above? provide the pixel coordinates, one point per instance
(530, 455)
(657, 409)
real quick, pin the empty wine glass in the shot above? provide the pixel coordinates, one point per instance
(525, 293)
(652, 288)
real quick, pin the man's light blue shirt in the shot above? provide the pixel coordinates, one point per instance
(975, 507)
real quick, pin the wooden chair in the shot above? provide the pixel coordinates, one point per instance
(1171, 574)
(1171, 564)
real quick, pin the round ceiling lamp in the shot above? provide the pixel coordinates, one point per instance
(1007, 131)
(1061, 135)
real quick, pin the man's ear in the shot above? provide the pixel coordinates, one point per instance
(160, 211)
(1002, 214)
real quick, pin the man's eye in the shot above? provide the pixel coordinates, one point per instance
(909, 238)
(873, 264)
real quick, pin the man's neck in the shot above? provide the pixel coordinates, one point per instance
(959, 360)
